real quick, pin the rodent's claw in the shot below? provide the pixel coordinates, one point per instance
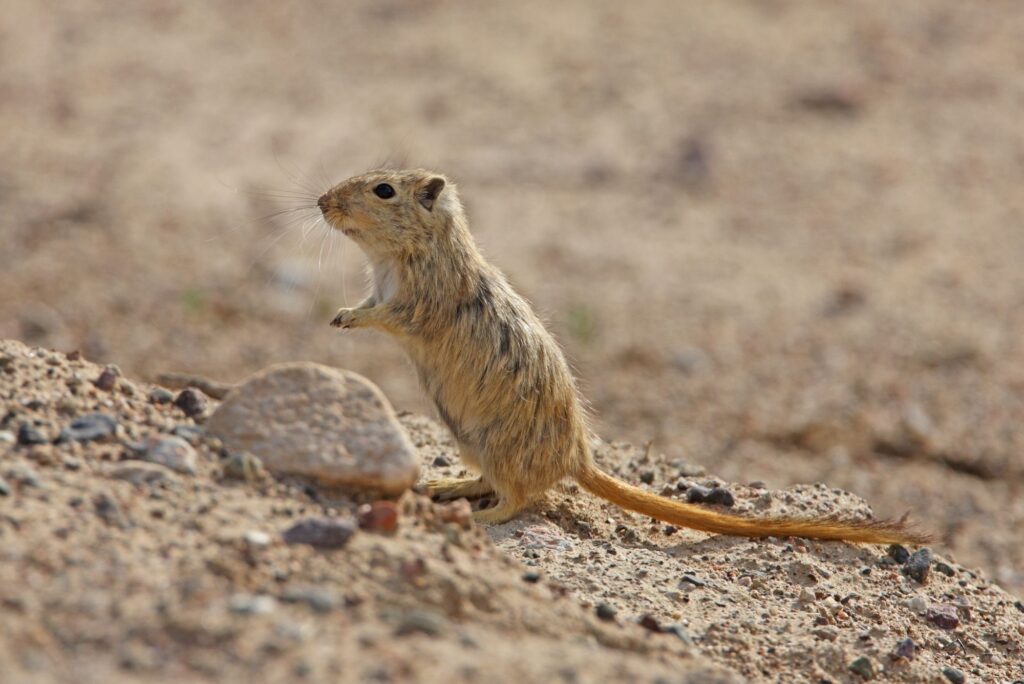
(343, 319)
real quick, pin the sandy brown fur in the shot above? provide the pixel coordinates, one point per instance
(497, 377)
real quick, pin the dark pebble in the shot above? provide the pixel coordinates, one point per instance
(322, 533)
(954, 675)
(108, 378)
(442, 462)
(531, 577)
(89, 428)
(943, 616)
(919, 565)
(647, 476)
(649, 622)
(159, 395)
(905, 649)
(29, 435)
(669, 530)
(945, 569)
(695, 581)
(1019, 605)
(899, 554)
(606, 612)
(863, 667)
(191, 401)
(713, 495)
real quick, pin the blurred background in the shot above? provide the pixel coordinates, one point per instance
(782, 239)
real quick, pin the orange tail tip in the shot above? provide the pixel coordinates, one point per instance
(688, 515)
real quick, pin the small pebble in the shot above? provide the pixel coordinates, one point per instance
(943, 616)
(919, 565)
(252, 604)
(320, 599)
(256, 538)
(7, 437)
(905, 649)
(606, 612)
(380, 516)
(5, 489)
(692, 579)
(191, 401)
(954, 675)
(807, 596)
(647, 476)
(650, 623)
(863, 667)
(442, 462)
(826, 633)
(322, 533)
(899, 553)
(188, 432)
(241, 465)
(531, 577)
(944, 569)
(713, 495)
(420, 622)
(27, 434)
(917, 604)
(458, 512)
(108, 378)
(159, 395)
(89, 428)
(171, 452)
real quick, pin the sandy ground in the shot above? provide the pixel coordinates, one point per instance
(114, 569)
(781, 239)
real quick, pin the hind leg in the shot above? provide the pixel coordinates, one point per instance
(446, 488)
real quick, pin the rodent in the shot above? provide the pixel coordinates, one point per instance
(497, 377)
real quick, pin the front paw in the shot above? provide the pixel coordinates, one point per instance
(345, 318)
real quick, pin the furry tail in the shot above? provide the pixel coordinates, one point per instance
(688, 515)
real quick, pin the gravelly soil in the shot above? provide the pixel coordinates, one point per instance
(106, 575)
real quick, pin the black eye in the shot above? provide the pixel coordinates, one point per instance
(384, 191)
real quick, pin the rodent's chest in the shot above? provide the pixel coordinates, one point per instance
(385, 282)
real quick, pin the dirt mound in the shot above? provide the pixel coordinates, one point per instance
(115, 566)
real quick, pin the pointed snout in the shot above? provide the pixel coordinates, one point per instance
(322, 203)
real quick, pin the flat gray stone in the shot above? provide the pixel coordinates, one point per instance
(320, 422)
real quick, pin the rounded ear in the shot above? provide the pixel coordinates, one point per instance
(427, 194)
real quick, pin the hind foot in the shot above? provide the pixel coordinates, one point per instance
(503, 512)
(447, 489)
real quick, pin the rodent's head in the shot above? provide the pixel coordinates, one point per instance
(389, 212)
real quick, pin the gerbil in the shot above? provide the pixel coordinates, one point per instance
(497, 377)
